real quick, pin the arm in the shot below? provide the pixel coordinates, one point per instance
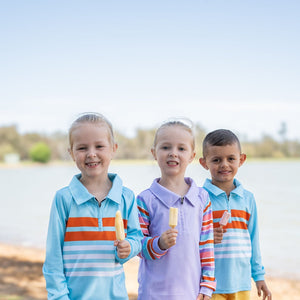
(131, 246)
(208, 283)
(257, 269)
(53, 268)
(150, 246)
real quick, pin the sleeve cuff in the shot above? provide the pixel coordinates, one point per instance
(206, 291)
(156, 247)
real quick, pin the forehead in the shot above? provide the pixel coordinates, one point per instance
(226, 150)
(90, 131)
(174, 133)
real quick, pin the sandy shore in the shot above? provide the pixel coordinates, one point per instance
(21, 277)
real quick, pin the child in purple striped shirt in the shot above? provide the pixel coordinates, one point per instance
(176, 263)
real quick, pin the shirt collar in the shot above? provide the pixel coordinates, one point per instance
(81, 194)
(217, 191)
(168, 198)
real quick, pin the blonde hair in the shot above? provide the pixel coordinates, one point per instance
(184, 123)
(94, 118)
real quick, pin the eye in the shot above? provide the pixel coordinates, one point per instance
(181, 149)
(99, 146)
(215, 160)
(165, 147)
(81, 148)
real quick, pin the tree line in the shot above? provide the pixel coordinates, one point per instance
(29, 146)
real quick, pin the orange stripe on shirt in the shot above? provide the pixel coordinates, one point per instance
(240, 214)
(109, 222)
(235, 213)
(206, 242)
(237, 225)
(143, 211)
(205, 260)
(83, 221)
(207, 207)
(208, 278)
(90, 236)
(233, 224)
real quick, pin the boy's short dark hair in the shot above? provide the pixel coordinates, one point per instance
(219, 137)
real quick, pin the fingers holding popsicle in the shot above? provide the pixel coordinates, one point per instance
(123, 246)
(168, 238)
(219, 231)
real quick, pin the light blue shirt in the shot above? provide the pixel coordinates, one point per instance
(81, 259)
(238, 257)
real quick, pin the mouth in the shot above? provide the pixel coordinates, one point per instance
(92, 164)
(224, 172)
(172, 163)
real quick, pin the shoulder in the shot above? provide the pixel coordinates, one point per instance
(127, 192)
(63, 194)
(203, 192)
(145, 195)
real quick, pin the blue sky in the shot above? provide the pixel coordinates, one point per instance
(223, 64)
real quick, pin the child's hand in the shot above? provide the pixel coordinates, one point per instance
(167, 239)
(262, 287)
(218, 234)
(123, 248)
(202, 297)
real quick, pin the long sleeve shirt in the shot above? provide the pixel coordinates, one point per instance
(238, 257)
(81, 259)
(187, 268)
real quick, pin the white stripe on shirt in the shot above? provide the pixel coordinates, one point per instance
(90, 256)
(94, 273)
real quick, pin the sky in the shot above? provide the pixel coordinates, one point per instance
(224, 64)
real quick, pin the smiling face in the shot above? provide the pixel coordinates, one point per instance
(223, 163)
(92, 149)
(173, 150)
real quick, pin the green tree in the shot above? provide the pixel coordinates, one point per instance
(40, 152)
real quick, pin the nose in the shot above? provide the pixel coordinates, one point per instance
(91, 153)
(173, 153)
(224, 163)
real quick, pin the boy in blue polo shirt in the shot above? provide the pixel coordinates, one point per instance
(237, 253)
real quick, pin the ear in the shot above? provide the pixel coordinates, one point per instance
(153, 153)
(71, 153)
(202, 162)
(114, 149)
(242, 158)
(192, 156)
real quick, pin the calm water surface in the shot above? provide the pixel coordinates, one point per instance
(27, 192)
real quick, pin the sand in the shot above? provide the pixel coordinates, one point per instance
(21, 277)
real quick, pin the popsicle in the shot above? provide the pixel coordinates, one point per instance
(120, 233)
(173, 217)
(225, 218)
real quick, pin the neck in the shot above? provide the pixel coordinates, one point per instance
(227, 187)
(98, 187)
(175, 185)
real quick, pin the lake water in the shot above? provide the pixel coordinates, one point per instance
(27, 192)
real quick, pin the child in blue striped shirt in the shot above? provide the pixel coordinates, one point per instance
(237, 253)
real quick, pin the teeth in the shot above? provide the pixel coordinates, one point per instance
(92, 164)
(172, 163)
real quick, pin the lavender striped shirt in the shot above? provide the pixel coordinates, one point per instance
(187, 268)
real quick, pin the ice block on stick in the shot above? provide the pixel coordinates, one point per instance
(225, 218)
(119, 226)
(173, 217)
